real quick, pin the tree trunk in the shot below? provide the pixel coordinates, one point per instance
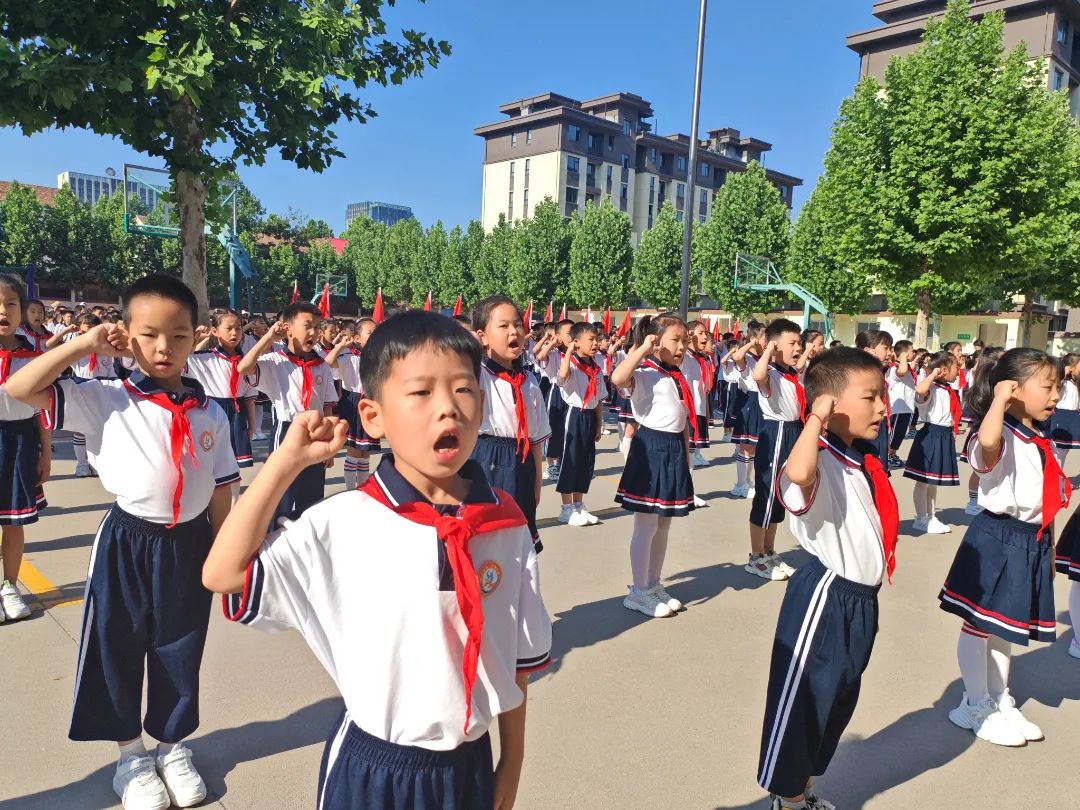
(922, 318)
(191, 198)
(1025, 322)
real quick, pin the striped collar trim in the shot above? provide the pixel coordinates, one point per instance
(398, 490)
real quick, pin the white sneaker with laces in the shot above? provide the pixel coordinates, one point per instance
(183, 783)
(987, 722)
(666, 598)
(1074, 648)
(699, 460)
(14, 607)
(1007, 707)
(972, 508)
(812, 803)
(590, 518)
(138, 785)
(565, 514)
(577, 519)
(919, 523)
(935, 526)
(647, 602)
(763, 567)
(778, 562)
(699, 503)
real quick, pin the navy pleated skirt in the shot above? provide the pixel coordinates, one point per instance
(1068, 549)
(932, 459)
(20, 451)
(501, 460)
(348, 409)
(236, 413)
(702, 442)
(656, 478)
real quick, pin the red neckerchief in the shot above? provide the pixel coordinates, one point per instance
(962, 379)
(516, 379)
(888, 407)
(685, 394)
(234, 374)
(703, 364)
(955, 411)
(308, 389)
(792, 377)
(91, 365)
(456, 532)
(179, 437)
(590, 370)
(608, 362)
(39, 339)
(1057, 490)
(7, 356)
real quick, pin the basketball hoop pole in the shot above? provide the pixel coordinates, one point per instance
(232, 264)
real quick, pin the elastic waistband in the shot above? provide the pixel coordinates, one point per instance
(932, 426)
(498, 440)
(27, 425)
(407, 757)
(144, 526)
(664, 435)
(856, 589)
(1009, 522)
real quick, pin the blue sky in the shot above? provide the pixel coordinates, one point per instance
(774, 69)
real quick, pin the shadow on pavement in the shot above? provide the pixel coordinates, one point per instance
(60, 543)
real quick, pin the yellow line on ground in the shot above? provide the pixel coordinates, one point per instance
(42, 589)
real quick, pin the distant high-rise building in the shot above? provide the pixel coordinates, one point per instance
(385, 213)
(89, 188)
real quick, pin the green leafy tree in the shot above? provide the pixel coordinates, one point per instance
(174, 78)
(279, 270)
(748, 216)
(600, 257)
(658, 261)
(314, 229)
(402, 272)
(454, 277)
(539, 255)
(364, 257)
(489, 272)
(432, 255)
(77, 244)
(472, 244)
(131, 255)
(26, 232)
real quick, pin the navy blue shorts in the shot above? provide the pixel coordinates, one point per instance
(824, 638)
(1065, 428)
(898, 428)
(20, 451)
(703, 434)
(748, 420)
(656, 478)
(307, 490)
(236, 412)
(932, 459)
(501, 460)
(773, 448)
(348, 408)
(733, 402)
(1000, 580)
(1068, 549)
(557, 420)
(578, 456)
(146, 608)
(362, 772)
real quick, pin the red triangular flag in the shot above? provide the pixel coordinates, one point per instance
(562, 315)
(528, 317)
(624, 327)
(716, 330)
(427, 303)
(324, 302)
(607, 321)
(295, 293)
(735, 330)
(457, 306)
(377, 312)
(588, 314)
(550, 312)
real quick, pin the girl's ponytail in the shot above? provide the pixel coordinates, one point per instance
(641, 329)
(981, 392)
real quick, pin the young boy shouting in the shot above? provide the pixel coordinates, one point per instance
(460, 622)
(163, 448)
(583, 390)
(844, 514)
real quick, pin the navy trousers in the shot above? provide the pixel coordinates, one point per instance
(501, 460)
(307, 490)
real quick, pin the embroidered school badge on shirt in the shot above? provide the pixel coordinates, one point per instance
(489, 575)
(206, 441)
(318, 380)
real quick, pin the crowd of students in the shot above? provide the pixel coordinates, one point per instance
(165, 411)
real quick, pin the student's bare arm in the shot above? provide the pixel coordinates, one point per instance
(45, 461)
(993, 424)
(511, 749)
(58, 338)
(344, 339)
(624, 372)
(803, 461)
(537, 450)
(311, 439)
(30, 384)
(760, 374)
(251, 359)
(922, 390)
(564, 366)
(220, 504)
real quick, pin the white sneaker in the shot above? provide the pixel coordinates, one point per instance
(666, 598)
(935, 526)
(138, 785)
(750, 492)
(972, 508)
(647, 602)
(812, 803)
(1007, 708)
(566, 513)
(739, 490)
(577, 519)
(186, 788)
(919, 523)
(552, 473)
(699, 503)
(1074, 649)
(83, 471)
(258, 436)
(763, 567)
(589, 516)
(699, 460)
(13, 605)
(987, 722)
(778, 562)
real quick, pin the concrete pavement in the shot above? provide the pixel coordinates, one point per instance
(632, 713)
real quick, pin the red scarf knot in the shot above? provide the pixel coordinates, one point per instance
(234, 376)
(792, 377)
(7, 356)
(1057, 490)
(706, 371)
(91, 365)
(590, 370)
(887, 509)
(955, 411)
(516, 379)
(308, 389)
(685, 394)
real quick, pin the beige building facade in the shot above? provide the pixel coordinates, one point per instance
(577, 152)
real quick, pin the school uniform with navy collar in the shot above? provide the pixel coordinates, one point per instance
(296, 384)
(901, 392)
(515, 419)
(1065, 421)
(829, 617)
(1000, 580)
(21, 496)
(656, 478)
(144, 604)
(698, 373)
(783, 402)
(583, 390)
(216, 371)
(352, 391)
(415, 729)
(932, 459)
(36, 340)
(556, 403)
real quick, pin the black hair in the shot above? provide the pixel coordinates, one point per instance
(218, 315)
(692, 325)
(655, 325)
(462, 319)
(401, 335)
(293, 311)
(579, 329)
(361, 321)
(779, 327)
(1065, 363)
(829, 372)
(161, 286)
(1015, 364)
(989, 358)
(902, 346)
(810, 335)
(755, 329)
(835, 343)
(940, 359)
(325, 322)
(948, 347)
(88, 319)
(10, 281)
(564, 322)
(481, 311)
(872, 338)
(260, 318)
(537, 331)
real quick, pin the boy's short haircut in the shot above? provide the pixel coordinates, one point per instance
(462, 319)
(902, 346)
(361, 321)
(161, 286)
(564, 322)
(294, 311)
(481, 312)
(872, 338)
(829, 372)
(86, 319)
(942, 359)
(781, 326)
(402, 334)
(328, 322)
(834, 343)
(579, 329)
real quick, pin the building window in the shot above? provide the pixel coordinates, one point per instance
(680, 189)
(573, 133)
(592, 140)
(611, 143)
(704, 197)
(680, 163)
(610, 172)
(624, 191)
(590, 198)
(511, 170)
(704, 169)
(652, 154)
(571, 196)
(652, 184)
(513, 139)
(624, 160)
(650, 210)
(678, 216)
(528, 136)
(1058, 80)
(526, 165)
(1062, 35)
(573, 164)
(627, 127)
(511, 201)
(525, 197)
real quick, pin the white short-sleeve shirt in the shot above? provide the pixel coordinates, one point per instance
(500, 408)
(93, 367)
(574, 387)
(745, 377)
(36, 341)
(213, 369)
(548, 366)
(1070, 399)
(655, 399)
(348, 371)
(937, 408)
(901, 389)
(695, 367)
(399, 668)
(127, 441)
(778, 398)
(283, 383)
(1012, 483)
(839, 524)
(11, 409)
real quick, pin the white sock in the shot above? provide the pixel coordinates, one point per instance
(363, 471)
(350, 473)
(624, 445)
(645, 526)
(921, 508)
(931, 500)
(658, 550)
(741, 468)
(973, 495)
(1074, 610)
(997, 672)
(130, 750)
(164, 748)
(971, 653)
(568, 507)
(80, 450)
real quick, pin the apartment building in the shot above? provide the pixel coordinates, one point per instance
(385, 213)
(1049, 28)
(89, 188)
(578, 152)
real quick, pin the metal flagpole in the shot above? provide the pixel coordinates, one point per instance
(691, 169)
